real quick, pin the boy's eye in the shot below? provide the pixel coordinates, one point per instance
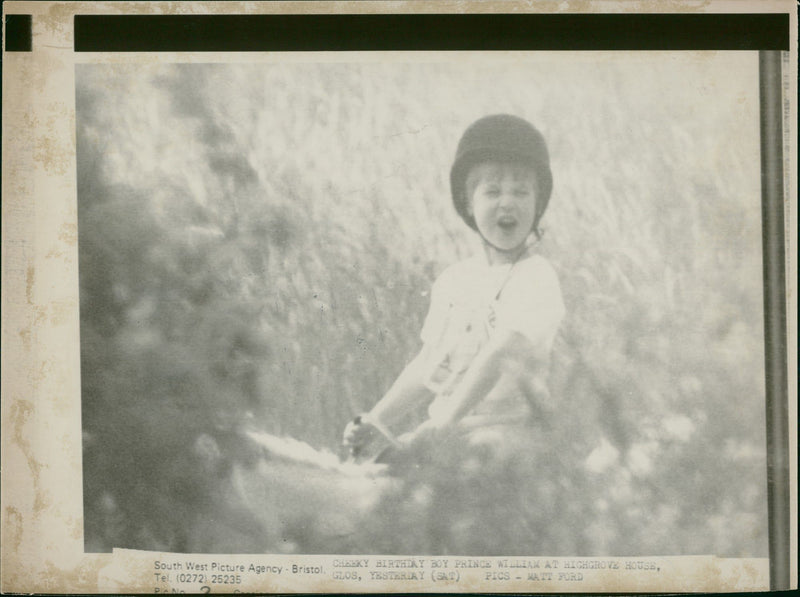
(522, 192)
(492, 191)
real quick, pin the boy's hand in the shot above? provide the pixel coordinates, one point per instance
(358, 434)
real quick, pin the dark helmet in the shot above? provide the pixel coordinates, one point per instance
(501, 137)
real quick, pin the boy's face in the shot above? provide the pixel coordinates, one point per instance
(503, 203)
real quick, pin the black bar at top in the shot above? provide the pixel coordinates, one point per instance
(19, 33)
(349, 32)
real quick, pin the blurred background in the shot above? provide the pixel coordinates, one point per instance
(257, 243)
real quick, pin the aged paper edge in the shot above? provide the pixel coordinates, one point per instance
(42, 518)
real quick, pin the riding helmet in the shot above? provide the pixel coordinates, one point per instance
(501, 137)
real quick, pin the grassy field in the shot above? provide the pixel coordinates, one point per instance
(257, 244)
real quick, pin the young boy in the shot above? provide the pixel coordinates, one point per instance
(492, 319)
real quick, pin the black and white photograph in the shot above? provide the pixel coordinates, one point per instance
(399, 297)
(505, 305)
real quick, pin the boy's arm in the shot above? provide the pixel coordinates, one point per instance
(407, 392)
(501, 366)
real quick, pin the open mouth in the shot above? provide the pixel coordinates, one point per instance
(507, 222)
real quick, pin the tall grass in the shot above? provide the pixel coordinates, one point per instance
(257, 242)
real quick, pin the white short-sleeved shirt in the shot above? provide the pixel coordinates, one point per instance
(470, 301)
